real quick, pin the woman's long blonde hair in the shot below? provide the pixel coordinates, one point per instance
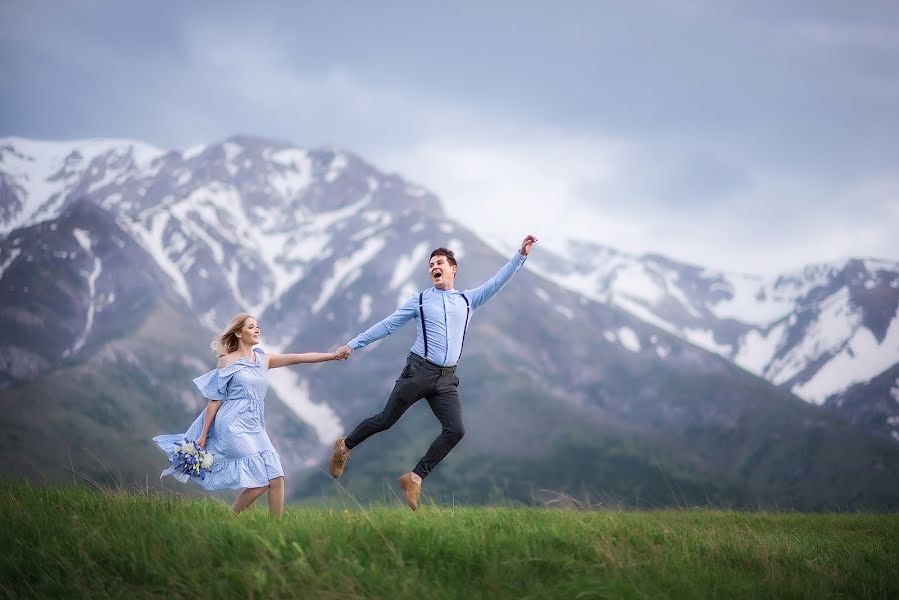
(226, 342)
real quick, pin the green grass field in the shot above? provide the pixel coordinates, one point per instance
(78, 542)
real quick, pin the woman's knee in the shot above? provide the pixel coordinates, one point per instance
(276, 483)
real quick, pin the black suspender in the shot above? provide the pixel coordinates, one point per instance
(465, 330)
(424, 329)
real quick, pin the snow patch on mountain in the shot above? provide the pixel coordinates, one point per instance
(344, 269)
(407, 291)
(644, 314)
(564, 311)
(705, 338)
(634, 281)
(827, 334)
(193, 217)
(296, 172)
(364, 307)
(629, 339)
(151, 237)
(41, 173)
(757, 348)
(857, 361)
(407, 264)
(294, 392)
(13, 254)
(337, 166)
(84, 240)
(232, 151)
(416, 191)
(750, 299)
(193, 152)
(457, 247)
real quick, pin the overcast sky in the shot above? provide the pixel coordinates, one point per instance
(747, 136)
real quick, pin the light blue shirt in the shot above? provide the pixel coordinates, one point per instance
(445, 313)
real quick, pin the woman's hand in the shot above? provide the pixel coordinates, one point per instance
(201, 442)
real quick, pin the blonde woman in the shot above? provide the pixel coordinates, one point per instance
(232, 427)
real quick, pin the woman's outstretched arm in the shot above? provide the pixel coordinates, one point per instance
(285, 360)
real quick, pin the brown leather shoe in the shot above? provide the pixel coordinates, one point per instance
(411, 490)
(338, 458)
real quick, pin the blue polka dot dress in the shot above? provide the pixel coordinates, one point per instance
(244, 454)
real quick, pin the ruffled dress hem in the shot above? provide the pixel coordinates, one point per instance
(255, 470)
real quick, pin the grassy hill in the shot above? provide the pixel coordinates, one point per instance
(78, 542)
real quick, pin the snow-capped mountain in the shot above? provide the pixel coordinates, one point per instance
(816, 331)
(118, 261)
(251, 214)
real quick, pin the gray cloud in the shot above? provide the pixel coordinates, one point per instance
(715, 131)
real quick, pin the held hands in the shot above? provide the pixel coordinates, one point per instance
(529, 241)
(343, 352)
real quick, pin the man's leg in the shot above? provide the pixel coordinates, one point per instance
(409, 388)
(405, 393)
(447, 407)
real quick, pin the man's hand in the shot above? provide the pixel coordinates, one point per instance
(343, 352)
(526, 245)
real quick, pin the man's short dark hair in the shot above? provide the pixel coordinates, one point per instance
(450, 257)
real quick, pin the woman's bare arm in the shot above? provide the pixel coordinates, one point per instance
(285, 360)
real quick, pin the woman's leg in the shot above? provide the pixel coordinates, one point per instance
(247, 497)
(276, 497)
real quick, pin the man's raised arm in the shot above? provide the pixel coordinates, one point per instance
(489, 288)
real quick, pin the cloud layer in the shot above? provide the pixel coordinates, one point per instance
(753, 138)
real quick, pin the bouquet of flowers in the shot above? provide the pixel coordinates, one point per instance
(189, 461)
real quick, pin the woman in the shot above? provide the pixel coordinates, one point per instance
(232, 427)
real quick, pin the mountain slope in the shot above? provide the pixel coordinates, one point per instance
(815, 331)
(873, 405)
(562, 391)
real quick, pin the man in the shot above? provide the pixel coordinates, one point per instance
(441, 314)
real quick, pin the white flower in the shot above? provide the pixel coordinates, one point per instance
(176, 448)
(189, 448)
(206, 460)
